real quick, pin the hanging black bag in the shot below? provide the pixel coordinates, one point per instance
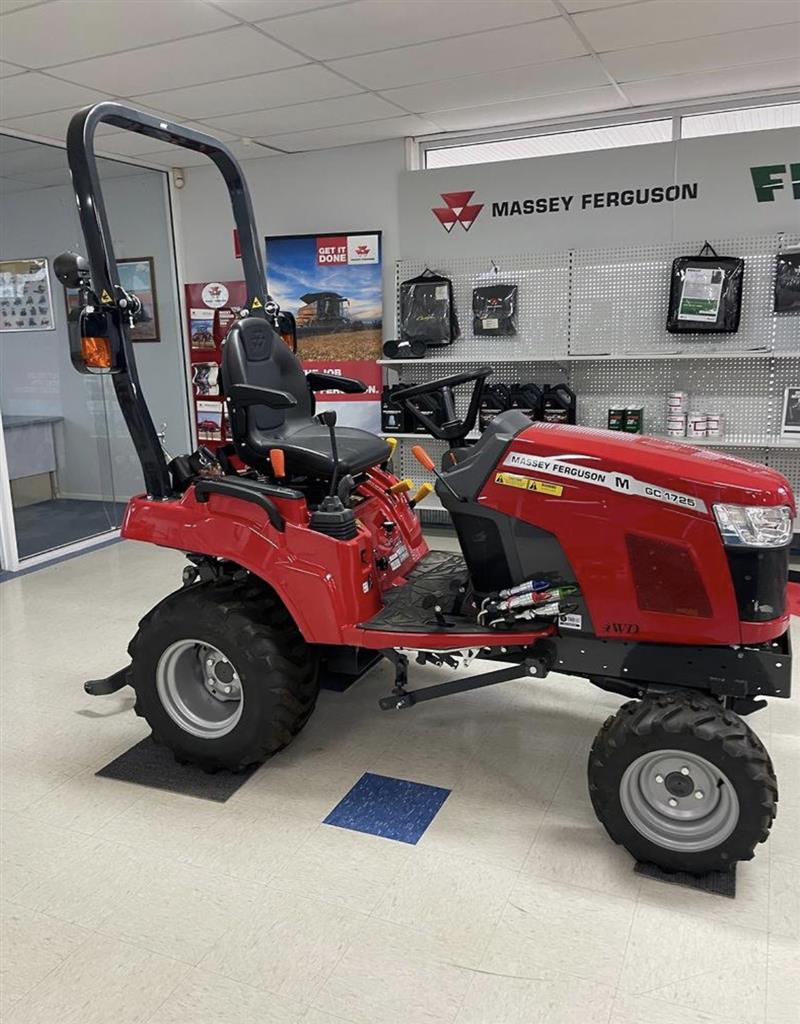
(427, 310)
(705, 293)
(494, 310)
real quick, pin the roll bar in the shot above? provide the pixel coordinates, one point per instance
(103, 265)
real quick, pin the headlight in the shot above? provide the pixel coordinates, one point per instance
(754, 526)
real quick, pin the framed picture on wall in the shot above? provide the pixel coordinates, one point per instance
(26, 303)
(137, 276)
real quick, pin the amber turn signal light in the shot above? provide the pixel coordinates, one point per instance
(96, 353)
(423, 458)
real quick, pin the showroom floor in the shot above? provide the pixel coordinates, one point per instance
(124, 904)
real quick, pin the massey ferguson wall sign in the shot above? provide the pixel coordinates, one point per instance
(712, 187)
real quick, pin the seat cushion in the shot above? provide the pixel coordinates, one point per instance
(307, 448)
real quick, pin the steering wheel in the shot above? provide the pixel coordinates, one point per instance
(451, 428)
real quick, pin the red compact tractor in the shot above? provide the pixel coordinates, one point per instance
(652, 569)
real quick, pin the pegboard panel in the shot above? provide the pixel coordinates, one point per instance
(619, 301)
(742, 390)
(786, 460)
(542, 281)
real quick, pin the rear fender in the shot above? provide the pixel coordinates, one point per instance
(325, 584)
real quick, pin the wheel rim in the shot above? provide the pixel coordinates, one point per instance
(679, 801)
(199, 689)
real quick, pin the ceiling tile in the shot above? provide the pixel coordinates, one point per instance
(659, 21)
(259, 10)
(14, 5)
(574, 6)
(256, 92)
(351, 134)
(499, 86)
(51, 125)
(323, 114)
(9, 187)
(33, 93)
(79, 29)
(752, 77)
(521, 111)
(6, 70)
(448, 58)
(368, 25)
(229, 53)
(11, 143)
(705, 53)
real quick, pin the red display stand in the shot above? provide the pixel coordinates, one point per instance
(210, 308)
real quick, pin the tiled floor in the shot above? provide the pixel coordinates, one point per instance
(124, 905)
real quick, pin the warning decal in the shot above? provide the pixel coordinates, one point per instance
(105, 297)
(622, 483)
(528, 484)
(256, 304)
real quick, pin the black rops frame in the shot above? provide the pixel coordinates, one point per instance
(103, 264)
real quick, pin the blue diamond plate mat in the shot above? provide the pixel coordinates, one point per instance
(391, 808)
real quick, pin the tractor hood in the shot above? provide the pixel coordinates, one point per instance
(635, 464)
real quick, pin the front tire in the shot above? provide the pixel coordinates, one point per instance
(222, 674)
(682, 783)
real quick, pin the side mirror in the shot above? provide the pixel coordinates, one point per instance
(71, 269)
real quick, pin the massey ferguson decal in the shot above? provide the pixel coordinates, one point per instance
(457, 210)
(619, 482)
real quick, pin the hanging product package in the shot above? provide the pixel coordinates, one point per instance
(705, 294)
(427, 310)
(494, 310)
(787, 282)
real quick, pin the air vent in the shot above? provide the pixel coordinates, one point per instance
(665, 578)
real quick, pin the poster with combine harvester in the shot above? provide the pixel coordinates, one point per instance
(333, 285)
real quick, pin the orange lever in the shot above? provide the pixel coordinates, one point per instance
(278, 461)
(423, 458)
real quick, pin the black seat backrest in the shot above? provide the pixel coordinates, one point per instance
(254, 354)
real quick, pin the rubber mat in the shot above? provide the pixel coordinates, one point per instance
(392, 808)
(407, 607)
(152, 765)
(718, 883)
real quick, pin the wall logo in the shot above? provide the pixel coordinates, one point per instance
(457, 210)
(772, 178)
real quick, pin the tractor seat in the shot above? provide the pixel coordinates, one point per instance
(254, 354)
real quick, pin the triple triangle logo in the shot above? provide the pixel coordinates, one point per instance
(457, 210)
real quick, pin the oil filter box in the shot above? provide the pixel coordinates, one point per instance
(633, 422)
(616, 417)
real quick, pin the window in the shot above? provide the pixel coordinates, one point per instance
(748, 119)
(636, 134)
(668, 125)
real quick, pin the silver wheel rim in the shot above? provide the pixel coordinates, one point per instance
(199, 689)
(679, 801)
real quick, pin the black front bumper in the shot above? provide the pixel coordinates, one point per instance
(764, 670)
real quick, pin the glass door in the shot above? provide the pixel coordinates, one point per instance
(68, 465)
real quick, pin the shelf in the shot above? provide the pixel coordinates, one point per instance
(605, 357)
(755, 441)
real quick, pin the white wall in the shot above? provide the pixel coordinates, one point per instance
(329, 191)
(36, 376)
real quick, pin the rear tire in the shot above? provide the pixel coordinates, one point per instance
(222, 675)
(682, 783)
